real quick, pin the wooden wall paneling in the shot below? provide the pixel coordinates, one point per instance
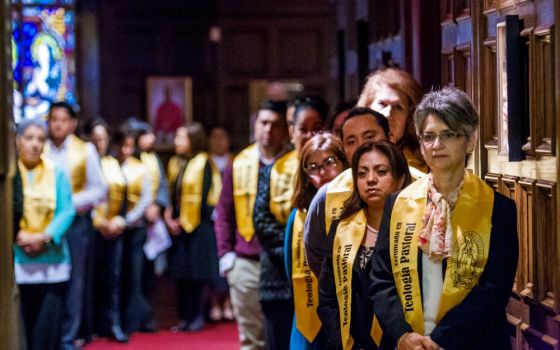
(509, 188)
(462, 8)
(533, 91)
(544, 64)
(506, 4)
(547, 245)
(238, 59)
(446, 10)
(448, 45)
(463, 69)
(489, 6)
(488, 95)
(237, 115)
(528, 236)
(300, 52)
(448, 69)
(494, 181)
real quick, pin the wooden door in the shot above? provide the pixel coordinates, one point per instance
(473, 60)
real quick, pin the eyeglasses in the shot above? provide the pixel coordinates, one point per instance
(313, 169)
(445, 137)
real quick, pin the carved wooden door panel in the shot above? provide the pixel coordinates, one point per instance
(474, 59)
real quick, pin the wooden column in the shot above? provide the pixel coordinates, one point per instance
(8, 319)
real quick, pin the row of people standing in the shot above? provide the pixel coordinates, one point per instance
(350, 290)
(96, 204)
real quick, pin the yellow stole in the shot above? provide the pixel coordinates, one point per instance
(306, 286)
(347, 241)
(245, 179)
(77, 154)
(191, 191)
(471, 243)
(338, 191)
(282, 186)
(39, 196)
(116, 184)
(173, 168)
(134, 173)
(150, 160)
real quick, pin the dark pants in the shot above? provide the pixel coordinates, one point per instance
(108, 267)
(278, 317)
(136, 309)
(191, 300)
(79, 238)
(42, 310)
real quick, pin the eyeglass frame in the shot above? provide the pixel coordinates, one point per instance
(318, 167)
(444, 137)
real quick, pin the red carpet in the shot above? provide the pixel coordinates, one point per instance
(220, 336)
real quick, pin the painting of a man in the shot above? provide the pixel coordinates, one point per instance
(168, 116)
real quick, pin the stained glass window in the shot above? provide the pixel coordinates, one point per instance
(43, 48)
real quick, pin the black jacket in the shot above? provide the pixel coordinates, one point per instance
(479, 321)
(273, 281)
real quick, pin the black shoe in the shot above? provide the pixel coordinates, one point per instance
(196, 325)
(179, 327)
(118, 335)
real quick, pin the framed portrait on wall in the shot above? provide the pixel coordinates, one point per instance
(169, 105)
(501, 69)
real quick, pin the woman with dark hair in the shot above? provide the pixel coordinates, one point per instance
(193, 259)
(321, 160)
(447, 252)
(137, 310)
(109, 222)
(395, 94)
(378, 169)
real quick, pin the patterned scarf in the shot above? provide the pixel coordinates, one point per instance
(436, 234)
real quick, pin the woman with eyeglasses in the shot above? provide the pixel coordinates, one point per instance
(321, 160)
(447, 252)
(378, 169)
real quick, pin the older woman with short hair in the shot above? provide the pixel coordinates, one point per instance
(447, 251)
(41, 256)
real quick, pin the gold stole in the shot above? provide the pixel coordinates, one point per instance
(116, 184)
(338, 191)
(173, 168)
(39, 196)
(306, 286)
(348, 238)
(282, 186)
(245, 179)
(191, 191)
(150, 160)
(77, 155)
(134, 173)
(471, 222)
